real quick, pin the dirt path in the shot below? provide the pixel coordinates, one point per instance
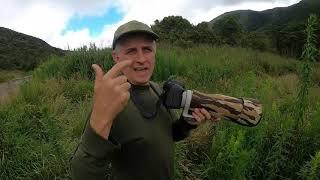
(9, 87)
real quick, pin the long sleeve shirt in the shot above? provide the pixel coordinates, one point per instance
(137, 147)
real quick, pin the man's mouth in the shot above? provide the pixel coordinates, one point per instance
(140, 69)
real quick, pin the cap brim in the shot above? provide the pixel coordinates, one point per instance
(152, 34)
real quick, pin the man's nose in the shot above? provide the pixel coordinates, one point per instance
(140, 58)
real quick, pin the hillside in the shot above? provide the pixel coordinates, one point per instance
(265, 20)
(23, 52)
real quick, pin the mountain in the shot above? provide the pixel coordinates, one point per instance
(23, 52)
(265, 20)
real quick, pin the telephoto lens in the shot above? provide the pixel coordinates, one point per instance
(243, 111)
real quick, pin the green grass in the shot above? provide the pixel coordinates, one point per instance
(42, 126)
(6, 75)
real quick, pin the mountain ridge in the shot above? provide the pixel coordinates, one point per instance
(22, 51)
(264, 20)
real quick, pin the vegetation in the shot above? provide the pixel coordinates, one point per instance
(6, 75)
(279, 30)
(312, 169)
(42, 126)
(22, 52)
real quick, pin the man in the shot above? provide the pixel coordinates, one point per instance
(127, 127)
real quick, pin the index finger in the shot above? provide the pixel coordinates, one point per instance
(116, 69)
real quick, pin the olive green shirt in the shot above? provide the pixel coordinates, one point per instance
(137, 147)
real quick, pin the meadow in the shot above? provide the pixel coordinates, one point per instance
(40, 127)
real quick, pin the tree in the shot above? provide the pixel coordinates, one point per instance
(203, 34)
(173, 28)
(229, 30)
(289, 39)
(256, 40)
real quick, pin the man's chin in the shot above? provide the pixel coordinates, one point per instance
(140, 81)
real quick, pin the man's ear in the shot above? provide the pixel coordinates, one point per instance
(115, 56)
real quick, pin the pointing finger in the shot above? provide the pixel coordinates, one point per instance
(116, 69)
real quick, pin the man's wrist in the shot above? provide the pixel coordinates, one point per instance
(103, 131)
(191, 121)
(101, 126)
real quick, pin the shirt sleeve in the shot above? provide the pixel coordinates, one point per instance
(93, 155)
(181, 129)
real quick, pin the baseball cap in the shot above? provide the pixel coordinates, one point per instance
(132, 27)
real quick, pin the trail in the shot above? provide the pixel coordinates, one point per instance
(10, 86)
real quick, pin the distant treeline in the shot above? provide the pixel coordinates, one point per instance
(287, 39)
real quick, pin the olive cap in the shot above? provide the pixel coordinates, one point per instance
(132, 27)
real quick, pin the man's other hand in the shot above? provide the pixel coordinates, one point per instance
(201, 115)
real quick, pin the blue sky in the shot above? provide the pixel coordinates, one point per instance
(94, 23)
(74, 23)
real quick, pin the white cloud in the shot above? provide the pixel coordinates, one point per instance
(207, 4)
(47, 18)
(72, 39)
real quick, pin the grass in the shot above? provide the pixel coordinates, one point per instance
(42, 126)
(6, 75)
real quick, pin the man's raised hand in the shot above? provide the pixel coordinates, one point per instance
(111, 95)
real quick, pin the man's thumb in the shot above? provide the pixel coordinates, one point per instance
(98, 71)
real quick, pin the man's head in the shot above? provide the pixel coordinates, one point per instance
(135, 41)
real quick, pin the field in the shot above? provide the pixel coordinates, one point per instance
(40, 128)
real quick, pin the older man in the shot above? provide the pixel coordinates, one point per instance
(127, 127)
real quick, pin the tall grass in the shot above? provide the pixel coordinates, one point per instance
(309, 56)
(75, 64)
(42, 126)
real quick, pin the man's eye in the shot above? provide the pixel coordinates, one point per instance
(130, 51)
(147, 50)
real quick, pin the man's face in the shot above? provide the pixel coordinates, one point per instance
(141, 50)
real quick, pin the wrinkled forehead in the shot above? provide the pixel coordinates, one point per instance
(135, 37)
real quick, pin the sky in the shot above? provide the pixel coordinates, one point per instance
(70, 24)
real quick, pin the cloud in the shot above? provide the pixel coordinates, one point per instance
(204, 3)
(201, 15)
(47, 19)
